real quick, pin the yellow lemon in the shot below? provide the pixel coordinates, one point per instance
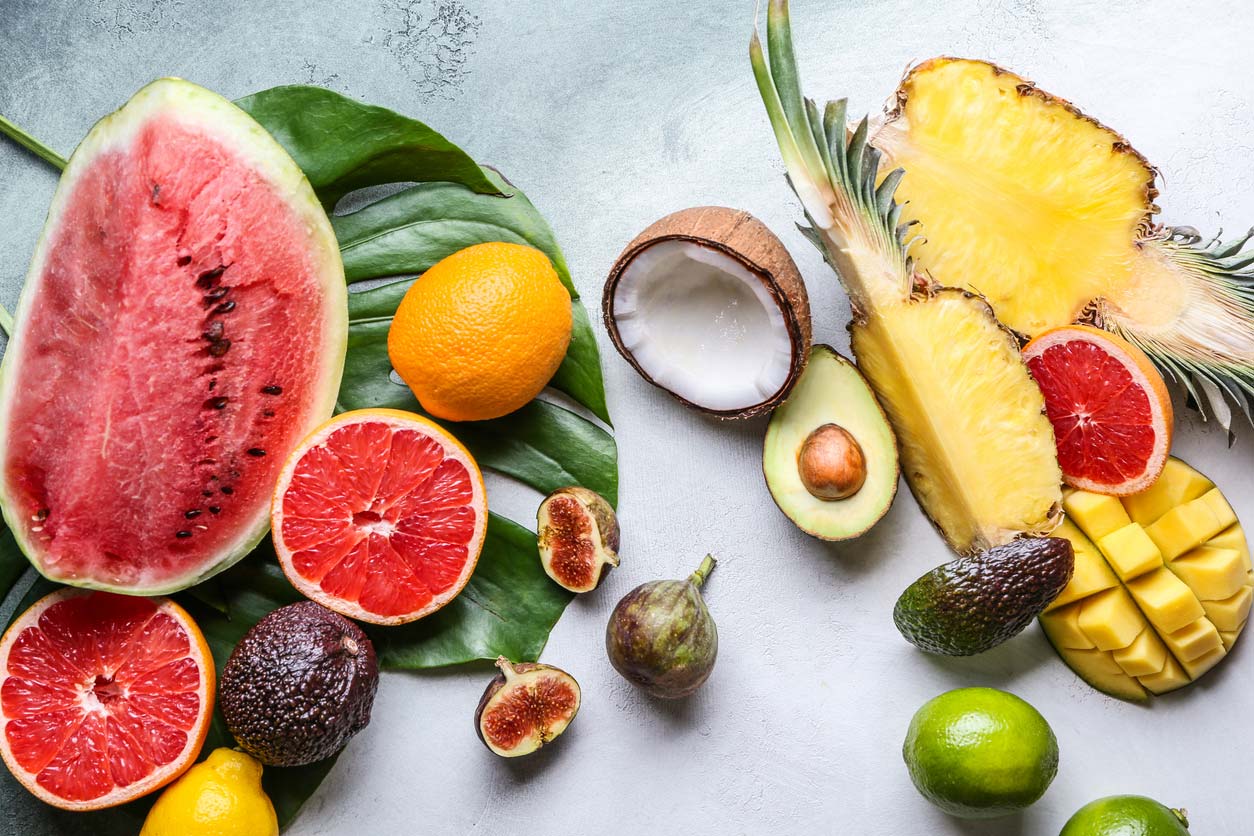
(220, 797)
(481, 333)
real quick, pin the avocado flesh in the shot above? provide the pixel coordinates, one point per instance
(975, 603)
(831, 391)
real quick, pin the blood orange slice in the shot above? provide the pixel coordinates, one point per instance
(103, 697)
(380, 515)
(1109, 406)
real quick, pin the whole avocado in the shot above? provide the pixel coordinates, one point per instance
(298, 685)
(975, 603)
(662, 638)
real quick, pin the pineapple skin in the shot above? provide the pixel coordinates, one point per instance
(976, 446)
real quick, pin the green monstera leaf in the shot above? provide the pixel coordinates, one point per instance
(510, 605)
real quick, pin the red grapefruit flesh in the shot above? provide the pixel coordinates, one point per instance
(1109, 406)
(182, 327)
(380, 515)
(103, 698)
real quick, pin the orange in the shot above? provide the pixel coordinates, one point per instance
(380, 515)
(1109, 406)
(481, 333)
(103, 697)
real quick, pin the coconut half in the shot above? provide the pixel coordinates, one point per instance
(707, 304)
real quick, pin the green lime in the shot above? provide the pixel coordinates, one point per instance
(979, 753)
(1126, 815)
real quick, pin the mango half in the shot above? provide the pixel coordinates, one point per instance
(1162, 585)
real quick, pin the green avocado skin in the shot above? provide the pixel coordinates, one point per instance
(975, 603)
(1126, 815)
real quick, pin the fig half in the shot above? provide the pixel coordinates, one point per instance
(524, 707)
(578, 537)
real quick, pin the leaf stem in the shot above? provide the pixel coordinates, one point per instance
(703, 571)
(31, 144)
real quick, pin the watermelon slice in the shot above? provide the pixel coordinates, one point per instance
(183, 325)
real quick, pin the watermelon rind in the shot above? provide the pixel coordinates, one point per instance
(221, 119)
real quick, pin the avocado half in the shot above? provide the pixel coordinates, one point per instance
(830, 457)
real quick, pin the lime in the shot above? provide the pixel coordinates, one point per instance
(979, 753)
(1126, 815)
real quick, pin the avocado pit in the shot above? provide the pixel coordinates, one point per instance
(831, 463)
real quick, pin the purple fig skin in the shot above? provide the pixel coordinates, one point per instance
(513, 671)
(662, 638)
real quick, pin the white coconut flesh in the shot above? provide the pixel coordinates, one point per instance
(702, 325)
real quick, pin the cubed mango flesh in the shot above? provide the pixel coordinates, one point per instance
(1230, 614)
(1165, 600)
(1196, 667)
(1194, 641)
(1213, 574)
(1184, 528)
(1171, 677)
(1130, 551)
(1233, 537)
(1095, 513)
(1229, 638)
(1218, 504)
(1110, 620)
(1092, 573)
(1063, 628)
(1099, 670)
(1177, 485)
(1146, 656)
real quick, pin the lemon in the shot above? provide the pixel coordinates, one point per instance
(222, 796)
(980, 753)
(479, 334)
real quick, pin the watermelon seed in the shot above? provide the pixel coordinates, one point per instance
(217, 293)
(40, 515)
(192, 514)
(267, 413)
(183, 535)
(156, 194)
(206, 279)
(225, 307)
(256, 452)
(214, 332)
(217, 403)
(217, 349)
(272, 390)
(213, 509)
(228, 490)
(184, 260)
(206, 493)
(203, 527)
(212, 384)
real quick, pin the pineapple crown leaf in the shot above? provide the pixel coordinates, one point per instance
(834, 173)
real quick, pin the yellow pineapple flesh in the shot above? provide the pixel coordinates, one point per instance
(975, 445)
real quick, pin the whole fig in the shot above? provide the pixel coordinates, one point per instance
(662, 638)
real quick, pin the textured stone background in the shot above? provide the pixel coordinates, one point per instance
(611, 113)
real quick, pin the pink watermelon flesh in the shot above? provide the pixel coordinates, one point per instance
(171, 359)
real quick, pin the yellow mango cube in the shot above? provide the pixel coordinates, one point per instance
(1231, 613)
(1110, 619)
(1130, 551)
(1233, 537)
(1229, 638)
(1213, 574)
(1166, 601)
(1063, 628)
(1096, 514)
(1183, 528)
(1171, 677)
(1092, 574)
(1194, 641)
(1196, 667)
(1144, 657)
(1177, 485)
(1218, 504)
(1099, 670)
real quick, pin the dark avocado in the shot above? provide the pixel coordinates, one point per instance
(298, 685)
(975, 603)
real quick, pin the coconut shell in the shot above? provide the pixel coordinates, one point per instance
(747, 240)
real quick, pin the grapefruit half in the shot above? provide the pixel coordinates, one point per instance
(103, 698)
(1109, 406)
(380, 515)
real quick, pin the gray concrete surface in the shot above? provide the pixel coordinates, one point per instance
(612, 113)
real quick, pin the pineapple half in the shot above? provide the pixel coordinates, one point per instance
(976, 447)
(1050, 215)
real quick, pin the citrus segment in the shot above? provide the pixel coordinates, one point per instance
(103, 698)
(1110, 408)
(380, 515)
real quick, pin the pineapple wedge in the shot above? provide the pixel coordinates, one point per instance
(976, 447)
(1050, 215)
